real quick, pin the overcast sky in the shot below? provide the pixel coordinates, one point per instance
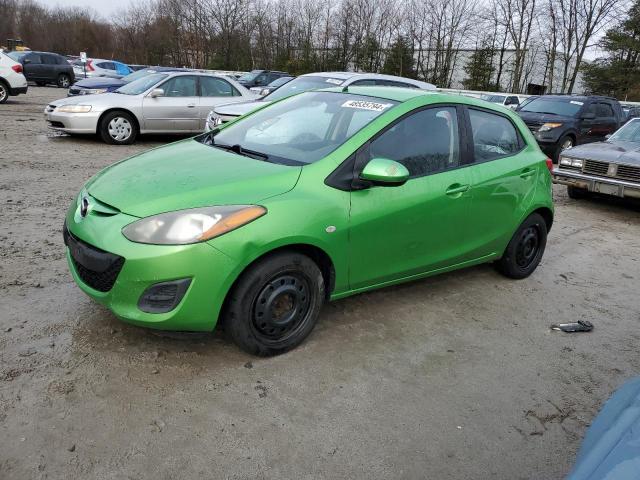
(105, 8)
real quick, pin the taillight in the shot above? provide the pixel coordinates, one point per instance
(90, 65)
(17, 68)
(549, 164)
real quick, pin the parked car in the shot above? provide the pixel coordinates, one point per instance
(12, 81)
(509, 101)
(45, 67)
(260, 78)
(610, 449)
(98, 67)
(135, 68)
(563, 121)
(218, 227)
(630, 111)
(162, 102)
(611, 167)
(277, 83)
(96, 85)
(312, 81)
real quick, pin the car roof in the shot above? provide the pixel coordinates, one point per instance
(344, 76)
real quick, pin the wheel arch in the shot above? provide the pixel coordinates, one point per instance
(547, 214)
(117, 109)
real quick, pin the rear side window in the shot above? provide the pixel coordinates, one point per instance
(216, 87)
(604, 110)
(494, 136)
(49, 59)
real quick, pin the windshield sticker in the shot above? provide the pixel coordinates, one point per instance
(575, 102)
(361, 104)
(335, 81)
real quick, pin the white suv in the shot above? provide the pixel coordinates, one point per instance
(12, 81)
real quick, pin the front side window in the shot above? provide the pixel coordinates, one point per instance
(34, 58)
(216, 87)
(494, 136)
(425, 142)
(141, 85)
(181, 86)
(301, 129)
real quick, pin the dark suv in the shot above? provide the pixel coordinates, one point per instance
(564, 121)
(260, 78)
(45, 67)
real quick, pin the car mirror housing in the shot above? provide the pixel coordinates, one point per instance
(385, 172)
(157, 92)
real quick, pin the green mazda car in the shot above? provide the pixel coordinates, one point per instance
(316, 197)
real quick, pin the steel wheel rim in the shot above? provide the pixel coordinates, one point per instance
(568, 143)
(528, 247)
(119, 129)
(282, 307)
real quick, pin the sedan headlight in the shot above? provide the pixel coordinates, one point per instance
(571, 162)
(549, 126)
(191, 226)
(75, 108)
(93, 91)
(213, 120)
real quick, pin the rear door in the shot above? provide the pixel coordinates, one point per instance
(214, 91)
(50, 67)
(177, 110)
(503, 175)
(33, 67)
(607, 120)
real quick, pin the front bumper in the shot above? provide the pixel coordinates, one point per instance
(210, 271)
(592, 183)
(72, 122)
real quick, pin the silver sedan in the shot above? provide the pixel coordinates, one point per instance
(166, 103)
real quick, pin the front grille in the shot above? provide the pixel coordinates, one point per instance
(95, 267)
(628, 172)
(596, 168)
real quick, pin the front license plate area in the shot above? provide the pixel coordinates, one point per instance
(608, 189)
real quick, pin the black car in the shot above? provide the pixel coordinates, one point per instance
(260, 78)
(559, 122)
(45, 67)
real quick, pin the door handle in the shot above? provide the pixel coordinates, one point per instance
(456, 188)
(527, 173)
(191, 105)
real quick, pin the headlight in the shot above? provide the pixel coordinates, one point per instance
(571, 162)
(75, 108)
(93, 91)
(549, 126)
(191, 226)
(213, 120)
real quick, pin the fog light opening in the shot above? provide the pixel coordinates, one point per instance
(163, 297)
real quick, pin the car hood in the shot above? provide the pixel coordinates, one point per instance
(104, 100)
(99, 82)
(188, 174)
(240, 108)
(611, 152)
(533, 117)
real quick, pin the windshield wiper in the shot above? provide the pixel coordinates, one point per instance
(237, 148)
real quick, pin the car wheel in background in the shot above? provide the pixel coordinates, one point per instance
(64, 80)
(275, 304)
(118, 128)
(4, 92)
(525, 250)
(564, 143)
(41, 84)
(577, 193)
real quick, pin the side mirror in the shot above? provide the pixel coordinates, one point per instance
(385, 172)
(588, 116)
(157, 92)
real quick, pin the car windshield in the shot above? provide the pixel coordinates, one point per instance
(247, 77)
(494, 98)
(628, 133)
(279, 81)
(303, 84)
(299, 130)
(139, 74)
(142, 84)
(16, 55)
(565, 108)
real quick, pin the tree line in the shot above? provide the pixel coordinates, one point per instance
(504, 40)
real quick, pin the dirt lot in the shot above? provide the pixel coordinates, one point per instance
(454, 377)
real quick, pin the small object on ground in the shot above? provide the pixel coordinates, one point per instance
(579, 326)
(72, 448)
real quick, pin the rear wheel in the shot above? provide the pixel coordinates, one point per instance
(275, 304)
(64, 80)
(4, 92)
(577, 193)
(118, 128)
(525, 250)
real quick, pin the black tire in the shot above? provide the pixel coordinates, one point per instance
(118, 128)
(577, 193)
(564, 143)
(525, 250)
(4, 92)
(275, 304)
(64, 80)
(41, 84)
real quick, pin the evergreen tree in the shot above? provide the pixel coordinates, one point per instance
(479, 70)
(399, 60)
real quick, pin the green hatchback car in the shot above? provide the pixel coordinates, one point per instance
(313, 198)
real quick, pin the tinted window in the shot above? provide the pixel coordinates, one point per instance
(106, 65)
(563, 107)
(183, 86)
(216, 87)
(494, 136)
(604, 110)
(364, 83)
(49, 59)
(391, 83)
(425, 142)
(34, 58)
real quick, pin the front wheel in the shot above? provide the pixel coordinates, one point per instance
(64, 80)
(525, 250)
(275, 304)
(118, 128)
(4, 92)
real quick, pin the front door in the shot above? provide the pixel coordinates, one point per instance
(420, 226)
(177, 111)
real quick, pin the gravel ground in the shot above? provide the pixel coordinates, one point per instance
(453, 377)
